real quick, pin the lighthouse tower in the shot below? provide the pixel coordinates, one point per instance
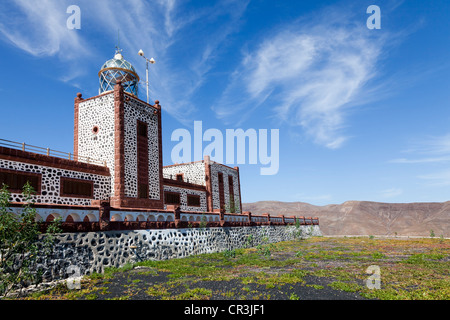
(125, 132)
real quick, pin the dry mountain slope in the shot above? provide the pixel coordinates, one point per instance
(367, 218)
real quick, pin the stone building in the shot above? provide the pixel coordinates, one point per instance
(115, 173)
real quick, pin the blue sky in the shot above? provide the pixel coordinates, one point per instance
(363, 114)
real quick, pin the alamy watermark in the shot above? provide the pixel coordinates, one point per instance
(374, 280)
(236, 146)
(74, 21)
(374, 21)
(74, 280)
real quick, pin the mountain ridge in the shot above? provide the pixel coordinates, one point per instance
(367, 217)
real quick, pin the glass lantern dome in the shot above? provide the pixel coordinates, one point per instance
(118, 69)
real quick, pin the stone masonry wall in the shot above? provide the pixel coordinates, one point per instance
(51, 183)
(136, 110)
(93, 252)
(97, 113)
(226, 171)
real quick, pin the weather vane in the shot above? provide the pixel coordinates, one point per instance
(152, 61)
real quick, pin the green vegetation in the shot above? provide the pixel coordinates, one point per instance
(410, 269)
(20, 244)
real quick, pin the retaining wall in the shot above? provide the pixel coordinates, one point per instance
(94, 251)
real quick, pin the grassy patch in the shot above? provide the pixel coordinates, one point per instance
(158, 290)
(195, 294)
(344, 286)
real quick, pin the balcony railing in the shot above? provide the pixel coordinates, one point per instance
(49, 152)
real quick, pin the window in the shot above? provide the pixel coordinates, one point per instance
(142, 129)
(142, 160)
(231, 194)
(180, 177)
(231, 187)
(193, 200)
(16, 180)
(77, 188)
(171, 198)
(221, 191)
(143, 191)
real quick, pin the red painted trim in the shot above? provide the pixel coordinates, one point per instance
(160, 204)
(129, 96)
(208, 183)
(239, 184)
(119, 153)
(77, 101)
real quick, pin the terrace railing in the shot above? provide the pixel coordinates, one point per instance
(50, 152)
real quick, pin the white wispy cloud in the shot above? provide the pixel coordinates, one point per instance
(437, 179)
(430, 149)
(435, 144)
(40, 28)
(312, 198)
(421, 160)
(185, 41)
(309, 74)
(391, 193)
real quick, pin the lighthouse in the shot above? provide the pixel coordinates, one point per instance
(125, 132)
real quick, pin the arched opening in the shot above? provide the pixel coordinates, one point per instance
(73, 217)
(161, 218)
(91, 217)
(52, 217)
(116, 218)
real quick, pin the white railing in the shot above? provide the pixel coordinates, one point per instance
(49, 152)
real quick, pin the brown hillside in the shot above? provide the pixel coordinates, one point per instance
(367, 218)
